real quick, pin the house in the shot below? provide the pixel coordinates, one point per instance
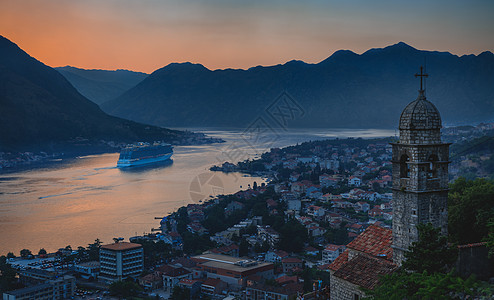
(316, 211)
(233, 270)
(362, 206)
(375, 212)
(313, 188)
(151, 281)
(231, 250)
(287, 196)
(193, 285)
(266, 233)
(196, 227)
(232, 207)
(275, 256)
(355, 228)
(88, 270)
(355, 181)
(331, 252)
(327, 181)
(294, 177)
(294, 204)
(172, 276)
(291, 263)
(297, 188)
(172, 237)
(309, 250)
(316, 231)
(368, 257)
(213, 287)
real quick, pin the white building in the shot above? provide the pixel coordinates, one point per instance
(120, 260)
(331, 252)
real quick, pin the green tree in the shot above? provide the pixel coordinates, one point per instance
(25, 253)
(470, 207)
(42, 251)
(93, 250)
(431, 253)
(10, 255)
(7, 276)
(180, 293)
(405, 285)
(490, 238)
(124, 289)
(293, 235)
(243, 248)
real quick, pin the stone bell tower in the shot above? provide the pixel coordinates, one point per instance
(420, 173)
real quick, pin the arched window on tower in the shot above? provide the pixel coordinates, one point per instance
(432, 171)
(404, 168)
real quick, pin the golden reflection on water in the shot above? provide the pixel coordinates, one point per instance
(75, 203)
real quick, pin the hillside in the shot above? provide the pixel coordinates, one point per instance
(346, 90)
(101, 85)
(40, 108)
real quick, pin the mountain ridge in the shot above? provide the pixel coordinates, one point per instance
(101, 85)
(40, 108)
(345, 90)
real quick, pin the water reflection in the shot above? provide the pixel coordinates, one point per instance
(75, 201)
(146, 168)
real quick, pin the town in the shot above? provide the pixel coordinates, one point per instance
(275, 240)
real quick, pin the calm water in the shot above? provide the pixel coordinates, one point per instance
(76, 201)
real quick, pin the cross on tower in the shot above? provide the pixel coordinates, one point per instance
(421, 75)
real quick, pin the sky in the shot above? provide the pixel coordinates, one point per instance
(144, 35)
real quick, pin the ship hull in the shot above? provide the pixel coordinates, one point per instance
(124, 163)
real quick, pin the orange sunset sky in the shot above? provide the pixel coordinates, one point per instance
(144, 35)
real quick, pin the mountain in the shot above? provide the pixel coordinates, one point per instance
(346, 90)
(101, 85)
(39, 108)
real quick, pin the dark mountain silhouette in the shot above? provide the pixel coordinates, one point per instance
(101, 85)
(346, 90)
(39, 107)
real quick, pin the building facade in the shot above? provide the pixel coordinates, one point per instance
(120, 260)
(420, 174)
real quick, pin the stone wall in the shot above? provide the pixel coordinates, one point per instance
(343, 290)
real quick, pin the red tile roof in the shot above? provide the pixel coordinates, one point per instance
(365, 270)
(212, 282)
(339, 261)
(472, 245)
(375, 240)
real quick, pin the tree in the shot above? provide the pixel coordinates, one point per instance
(42, 251)
(243, 248)
(10, 255)
(405, 285)
(93, 250)
(431, 253)
(293, 235)
(7, 276)
(124, 289)
(490, 238)
(25, 253)
(180, 293)
(470, 207)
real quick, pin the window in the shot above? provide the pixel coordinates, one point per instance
(432, 170)
(404, 168)
(356, 297)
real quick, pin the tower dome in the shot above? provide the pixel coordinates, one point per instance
(420, 122)
(420, 114)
